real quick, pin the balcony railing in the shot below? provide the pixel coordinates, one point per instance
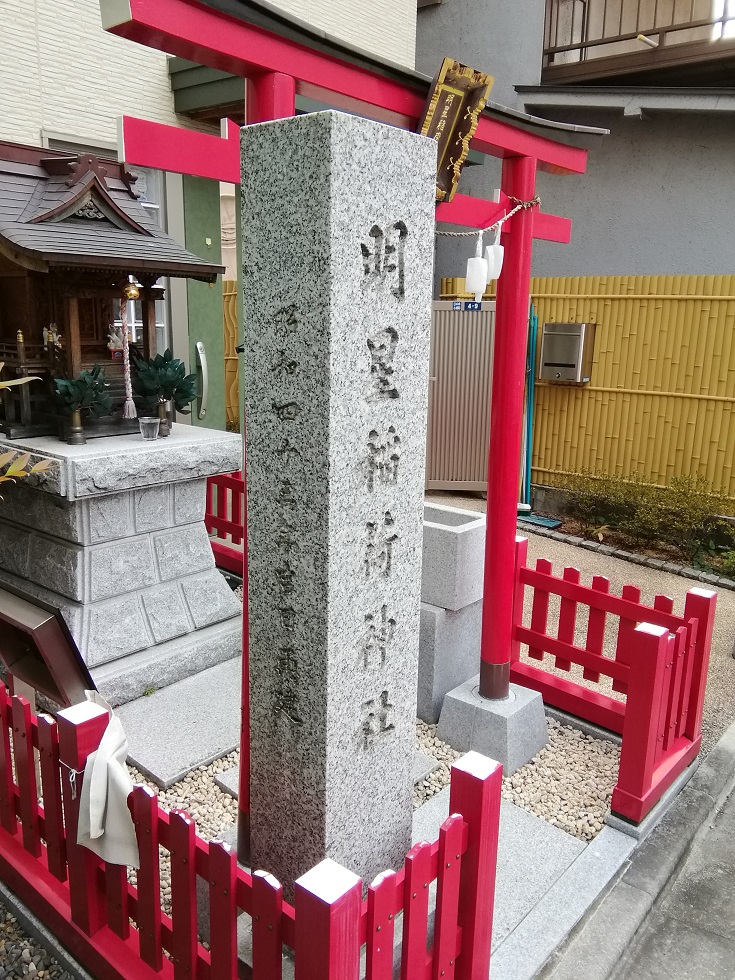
(587, 39)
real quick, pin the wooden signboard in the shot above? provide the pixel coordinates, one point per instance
(456, 99)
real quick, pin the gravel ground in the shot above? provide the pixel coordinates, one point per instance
(23, 957)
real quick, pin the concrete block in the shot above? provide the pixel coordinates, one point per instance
(129, 677)
(183, 551)
(15, 550)
(423, 766)
(449, 649)
(512, 731)
(152, 508)
(229, 781)
(119, 567)
(189, 501)
(167, 613)
(641, 830)
(104, 518)
(209, 598)
(57, 565)
(454, 553)
(114, 629)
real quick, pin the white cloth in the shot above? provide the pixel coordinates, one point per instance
(105, 823)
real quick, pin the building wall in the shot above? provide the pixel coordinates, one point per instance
(383, 27)
(60, 73)
(495, 36)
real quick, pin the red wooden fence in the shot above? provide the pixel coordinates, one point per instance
(122, 932)
(224, 518)
(660, 662)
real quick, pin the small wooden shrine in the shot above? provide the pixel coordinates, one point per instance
(72, 233)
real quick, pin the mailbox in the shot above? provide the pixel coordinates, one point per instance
(566, 352)
(37, 648)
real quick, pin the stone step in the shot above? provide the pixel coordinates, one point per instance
(188, 724)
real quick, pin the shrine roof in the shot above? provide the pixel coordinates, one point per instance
(61, 210)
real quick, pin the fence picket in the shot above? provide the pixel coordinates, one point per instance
(328, 903)
(540, 608)
(222, 911)
(625, 636)
(418, 878)
(595, 641)
(25, 773)
(182, 848)
(699, 605)
(145, 815)
(640, 731)
(449, 868)
(383, 900)
(475, 793)
(7, 786)
(690, 647)
(80, 729)
(673, 712)
(521, 561)
(116, 898)
(53, 814)
(567, 618)
(267, 927)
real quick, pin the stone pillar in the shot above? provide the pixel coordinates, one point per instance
(338, 222)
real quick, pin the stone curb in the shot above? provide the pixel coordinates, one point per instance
(686, 571)
(595, 947)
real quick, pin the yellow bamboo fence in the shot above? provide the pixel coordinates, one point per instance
(232, 361)
(661, 396)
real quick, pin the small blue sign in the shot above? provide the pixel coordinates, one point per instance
(456, 305)
(472, 307)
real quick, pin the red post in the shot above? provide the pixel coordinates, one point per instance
(271, 95)
(81, 728)
(506, 422)
(649, 646)
(475, 793)
(328, 902)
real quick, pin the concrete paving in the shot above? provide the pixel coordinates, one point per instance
(670, 913)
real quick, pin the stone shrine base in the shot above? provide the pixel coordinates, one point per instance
(511, 731)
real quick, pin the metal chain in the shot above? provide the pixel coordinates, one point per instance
(519, 206)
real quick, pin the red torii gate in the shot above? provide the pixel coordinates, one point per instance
(278, 69)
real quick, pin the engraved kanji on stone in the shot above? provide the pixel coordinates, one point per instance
(375, 719)
(379, 633)
(286, 411)
(382, 348)
(285, 320)
(287, 616)
(383, 257)
(286, 539)
(287, 683)
(285, 575)
(283, 365)
(287, 451)
(286, 496)
(379, 546)
(384, 453)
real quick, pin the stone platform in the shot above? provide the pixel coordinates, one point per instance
(113, 535)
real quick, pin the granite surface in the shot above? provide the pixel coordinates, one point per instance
(110, 465)
(454, 556)
(338, 215)
(449, 652)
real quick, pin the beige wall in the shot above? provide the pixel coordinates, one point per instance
(61, 74)
(386, 28)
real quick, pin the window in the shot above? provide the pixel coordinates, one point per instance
(726, 28)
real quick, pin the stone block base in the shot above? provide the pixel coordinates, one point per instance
(511, 731)
(449, 650)
(130, 677)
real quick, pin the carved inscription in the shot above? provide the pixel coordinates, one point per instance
(284, 365)
(383, 258)
(376, 719)
(285, 321)
(384, 453)
(379, 630)
(287, 451)
(382, 348)
(286, 411)
(287, 680)
(379, 543)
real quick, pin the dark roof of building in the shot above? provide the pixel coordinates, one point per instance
(58, 210)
